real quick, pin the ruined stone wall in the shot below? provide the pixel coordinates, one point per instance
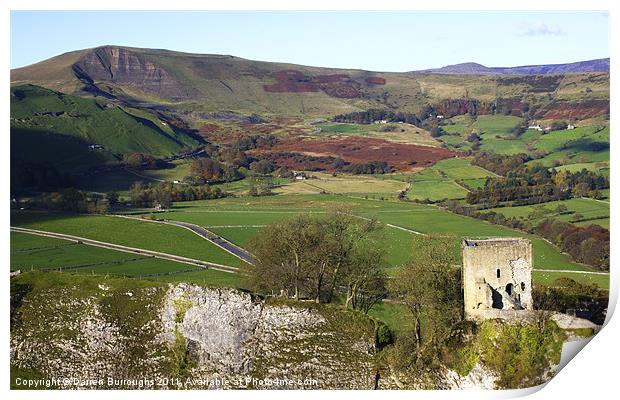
(497, 275)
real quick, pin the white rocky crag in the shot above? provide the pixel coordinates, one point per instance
(103, 332)
(231, 334)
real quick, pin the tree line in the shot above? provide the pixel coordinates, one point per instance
(372, 115)
(162, 194)
(368, 168)
(73, 201)
(523, 184)
(37, 176)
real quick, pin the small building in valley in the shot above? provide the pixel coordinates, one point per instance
(537, 127)
(299, 175)
(497, 278)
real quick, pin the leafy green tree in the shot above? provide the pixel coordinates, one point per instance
(310, 257)
(283, 257)
(429, 287)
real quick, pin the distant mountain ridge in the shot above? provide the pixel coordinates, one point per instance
(470, 68)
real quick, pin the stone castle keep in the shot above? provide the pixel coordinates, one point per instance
(497, 277)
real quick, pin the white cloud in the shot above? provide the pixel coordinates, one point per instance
(539, 29)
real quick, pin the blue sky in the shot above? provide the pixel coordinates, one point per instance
(379, 41)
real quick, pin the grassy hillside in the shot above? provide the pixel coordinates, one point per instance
(206, 83)
(63, 126)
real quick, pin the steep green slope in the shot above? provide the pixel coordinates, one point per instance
(49, 126)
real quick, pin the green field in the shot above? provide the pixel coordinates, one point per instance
(599, 167)
(178, 170)
(585, 144)
(232, 217)
(207, 277)
(459, 125)
(320, 182)
(31, 252)
(588, 144)
(496, 132)
(548, 278)
(558, 140)
(439, 181)
(145, 235)
(591, 211)
(436, 190)
(501, 125)
(394, 315)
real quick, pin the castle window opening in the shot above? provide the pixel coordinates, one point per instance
(498, 273)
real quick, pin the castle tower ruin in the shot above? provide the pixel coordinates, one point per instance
(497, 277)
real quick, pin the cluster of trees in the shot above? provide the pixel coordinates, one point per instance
(369, 168)
(321, 259)
(164, 193)
(501, 164)
(370, 116)
(523, 184)
(474, 139)
(74, 201)
(437, 132)
(231, 162)
(204, 170)
(261, 186)
(558, 126)
(250, 142)
(37, 176)
(262, 167)
(517, 192)
(588, 245)
(142, 161)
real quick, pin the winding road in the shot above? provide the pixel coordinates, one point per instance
(204, 233)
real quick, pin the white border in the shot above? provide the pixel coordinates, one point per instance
(591, 375)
